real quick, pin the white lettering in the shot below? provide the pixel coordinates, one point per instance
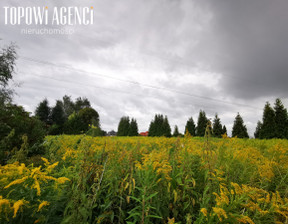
(55, 17)
(6, 15)
(29, 17)
(63, 18)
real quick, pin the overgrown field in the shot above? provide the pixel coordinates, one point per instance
(82, 179)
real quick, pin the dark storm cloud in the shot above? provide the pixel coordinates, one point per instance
(251, 41)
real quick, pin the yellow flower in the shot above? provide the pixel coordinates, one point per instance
(3, 202)
(62, 180)
(36, 185)
(171, 221)
(45, 161)
(204, 211)
(18, 181)
(21, 168)
(44, 203)
(18, 204)
(220, 212)
(245, 219)
(51, 167)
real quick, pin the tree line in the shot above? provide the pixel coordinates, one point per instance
(69, 117)
(274, 125)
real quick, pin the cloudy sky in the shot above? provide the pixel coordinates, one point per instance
(173, 57)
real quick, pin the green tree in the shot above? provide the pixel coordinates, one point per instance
(201, 124)
(217, 127)
(68, 105)
(176, 131)
(239, 129)
(224, 130)
(281, 119)
(123, 127)
(155, 125)
(133, 128)
(190, 126)
(268, 123)
(160, 126)
(74, 125)
(258, 129)
(43, 112)
(15, 123)
(166, 127)
(8, 58)
(57, 118)
(81, 103)
(89, 116)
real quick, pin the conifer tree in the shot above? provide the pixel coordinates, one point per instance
(201, 124)
(239, 129)
(166, 127)
(281, 120)
(268, 123)
(43, 111)
(123, 127)
(176, 131)
(224, 130)
(160, 126)
(133, 128)
(217, 127)
(190, 127)
(57, 114)
(258, 129)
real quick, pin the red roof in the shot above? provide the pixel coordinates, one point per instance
(144, 133)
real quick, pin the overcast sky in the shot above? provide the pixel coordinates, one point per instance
(173, 57)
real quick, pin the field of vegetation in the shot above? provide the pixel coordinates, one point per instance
(82, 179)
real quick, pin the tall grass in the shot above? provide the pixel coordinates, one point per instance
(151, 180)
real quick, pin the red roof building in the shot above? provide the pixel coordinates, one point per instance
(145, 134)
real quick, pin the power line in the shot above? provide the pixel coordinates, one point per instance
(135, 83)
(104, 88)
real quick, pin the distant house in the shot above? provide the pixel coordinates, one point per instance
(112, 133)
(145, 134)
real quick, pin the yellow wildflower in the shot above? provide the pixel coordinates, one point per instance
(36, 185)
(3, 202)
(45, 161)
(18, 181)
(245, 219)
(171, 221)
(21, 168)
(62, 180)
(204, 211)
(44, 203)
(52, 166)
(18, 204)
(220, 212)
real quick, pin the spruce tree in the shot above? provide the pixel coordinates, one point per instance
(224, 130)
(201, 124)
(190, 127)
(160, 126)
(57, 114)
(166, 128)
(43, 111)
(133, 128)
(281, 119)
(217, 127)
(239, 129)
(268, 123)
(176, 131)
(123, 127)
(258, 129)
